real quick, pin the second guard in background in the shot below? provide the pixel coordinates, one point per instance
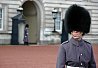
(26, 35)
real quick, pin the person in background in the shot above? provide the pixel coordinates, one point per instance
(76, 53)
(26, 34)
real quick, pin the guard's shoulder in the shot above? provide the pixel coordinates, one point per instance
(65, 42)
(87, 42)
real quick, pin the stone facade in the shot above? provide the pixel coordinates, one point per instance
(45, 19)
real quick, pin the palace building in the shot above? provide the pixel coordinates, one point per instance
(44, 18)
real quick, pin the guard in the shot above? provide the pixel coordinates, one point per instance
(76, 53)
(26, 35)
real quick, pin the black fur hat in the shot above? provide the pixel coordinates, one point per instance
(27, 26)
(77, 18)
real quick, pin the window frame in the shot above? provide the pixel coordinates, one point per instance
(1, 19)
(4, 8)
(58, 20)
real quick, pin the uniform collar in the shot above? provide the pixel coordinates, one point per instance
(75, 42)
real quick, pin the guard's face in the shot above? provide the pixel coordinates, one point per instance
(77, 34)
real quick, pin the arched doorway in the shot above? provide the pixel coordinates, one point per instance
(31, 15)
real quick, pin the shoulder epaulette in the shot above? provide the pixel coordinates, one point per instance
(65, 42)
(87, 42)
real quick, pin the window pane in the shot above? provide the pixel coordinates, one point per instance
(58, 21)
(0, 23)
(0, 16)
(0, 11)
(58, 24)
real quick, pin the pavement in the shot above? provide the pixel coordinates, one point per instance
(33, 56)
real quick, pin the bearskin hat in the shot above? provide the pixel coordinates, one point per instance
(77, 18)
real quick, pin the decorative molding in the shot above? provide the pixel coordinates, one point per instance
(94, 0)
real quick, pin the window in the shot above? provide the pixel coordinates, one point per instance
(58, 22)
(1, 19)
